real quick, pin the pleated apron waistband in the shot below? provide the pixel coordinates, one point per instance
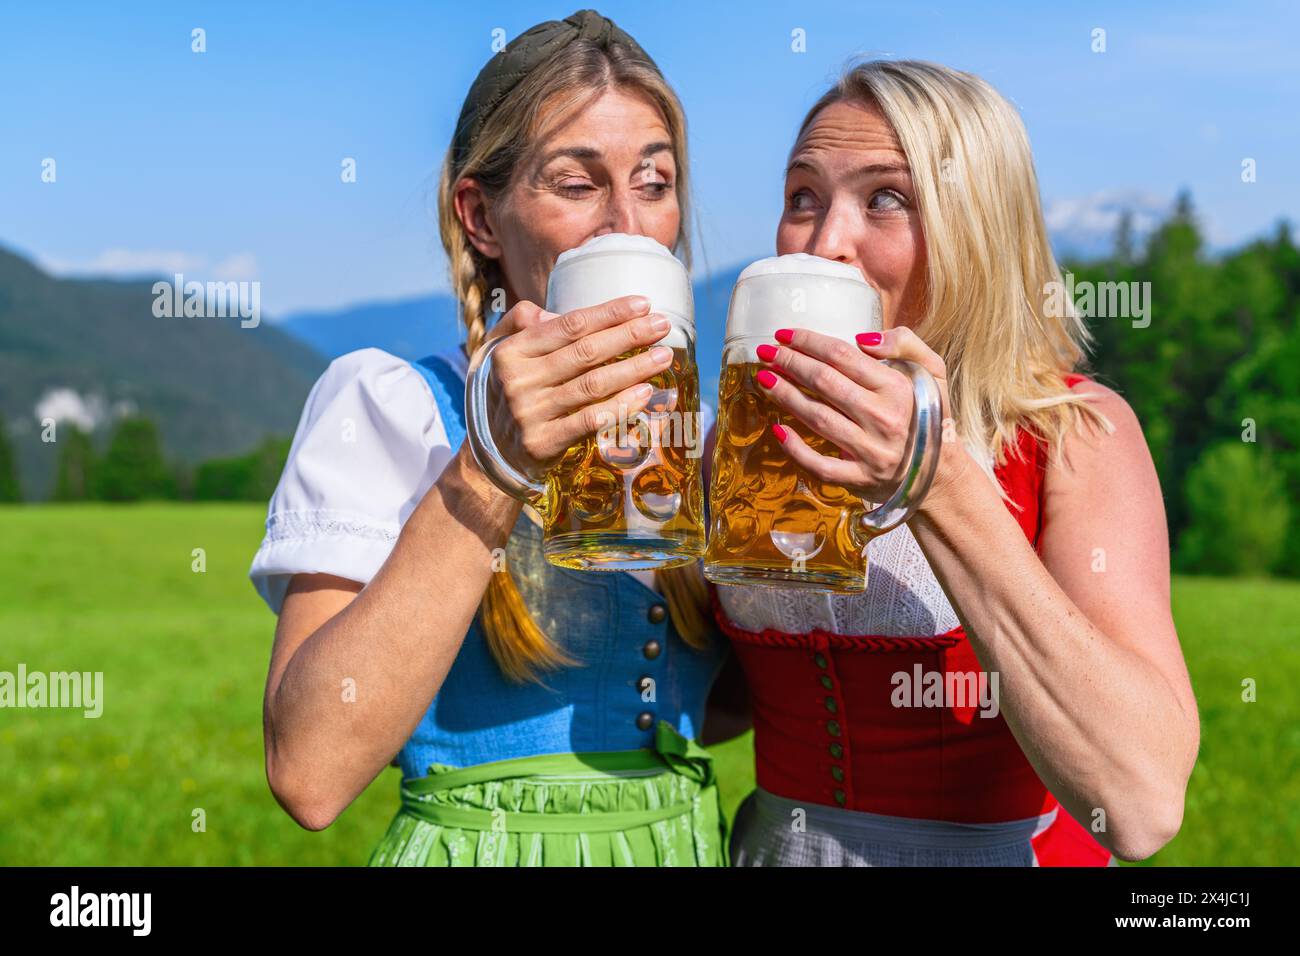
(672, 753)
(858, 825)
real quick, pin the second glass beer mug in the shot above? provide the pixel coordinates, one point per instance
(629, 497)
(772, 524)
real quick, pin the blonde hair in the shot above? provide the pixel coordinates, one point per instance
(578, 72)
(989, 263)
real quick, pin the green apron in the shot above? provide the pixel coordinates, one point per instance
(646, 807)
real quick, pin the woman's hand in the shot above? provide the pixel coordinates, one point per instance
(857, 403)
(554, 381)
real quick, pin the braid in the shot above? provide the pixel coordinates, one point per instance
(520, 648)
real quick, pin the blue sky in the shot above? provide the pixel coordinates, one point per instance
(226, 164)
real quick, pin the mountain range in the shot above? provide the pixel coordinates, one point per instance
(92, 350)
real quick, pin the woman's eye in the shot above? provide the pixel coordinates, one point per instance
(887, 200)
(799, 200)
(574, 188)
(657, 190)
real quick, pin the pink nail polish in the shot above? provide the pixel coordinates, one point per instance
(870, 338)
(766, 379)
(780, 433)
(766, 352)
(784, 336)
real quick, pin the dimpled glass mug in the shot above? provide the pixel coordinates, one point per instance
(772, 524)
(631, 496)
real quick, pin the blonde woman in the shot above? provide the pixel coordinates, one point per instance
(540, 716)
(1038, 565)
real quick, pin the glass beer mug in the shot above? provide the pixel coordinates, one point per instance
(631, 496)
(772, 524)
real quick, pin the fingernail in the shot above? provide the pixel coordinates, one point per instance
(660, 323)
(766, 352)
(780, 433)
(766, 379)
(642, 391)
(662, 354)
(785, 336)
(870, 338)
(639, 304)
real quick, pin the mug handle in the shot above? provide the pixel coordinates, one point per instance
(478, 432)
(927, 434)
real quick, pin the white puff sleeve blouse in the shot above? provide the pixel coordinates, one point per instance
(369, 444)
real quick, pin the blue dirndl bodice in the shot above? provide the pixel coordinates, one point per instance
(618, 630)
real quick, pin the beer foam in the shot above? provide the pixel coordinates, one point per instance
(616, 242)
(800, 264)
(798, 291)
(617, 264)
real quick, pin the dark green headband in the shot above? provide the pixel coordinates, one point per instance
(524, 54)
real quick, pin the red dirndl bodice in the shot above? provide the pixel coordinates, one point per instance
(825, 729)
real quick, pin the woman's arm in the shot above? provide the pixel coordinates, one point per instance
(353, 669)
(1092, 680)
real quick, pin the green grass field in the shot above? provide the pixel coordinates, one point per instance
(184, 654)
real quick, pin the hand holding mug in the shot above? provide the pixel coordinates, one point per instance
(554, 380)
(860, 404)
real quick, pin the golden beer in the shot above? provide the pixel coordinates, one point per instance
(629, 497)
(767, 517)
(771, 523)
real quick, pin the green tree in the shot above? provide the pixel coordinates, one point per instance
(133, 469)
(250, 477)
(1261, 392)
(75, 471)
(9, 487)
(1238, 510)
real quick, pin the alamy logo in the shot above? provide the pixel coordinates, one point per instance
(57, 689)
(651, 430)
(103, 909)
(1103, 300)
(208, 300)
(951, 689)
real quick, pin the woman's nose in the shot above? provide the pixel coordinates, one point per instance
(836, 236)
(621, 213)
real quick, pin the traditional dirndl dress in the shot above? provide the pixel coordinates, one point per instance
(593, 765)
(846, 776)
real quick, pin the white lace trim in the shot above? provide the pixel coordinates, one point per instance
(324, 523)
(903, 598)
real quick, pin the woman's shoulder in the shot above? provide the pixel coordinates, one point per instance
(369, 444)
(379, 375)
(1106, 437)
(1101, 397)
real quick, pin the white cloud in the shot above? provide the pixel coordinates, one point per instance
(236, 268)
(67, 405)
(157, 262)
(1088, 224)
(1100, 212)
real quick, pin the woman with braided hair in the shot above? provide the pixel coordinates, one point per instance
(540, 716)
